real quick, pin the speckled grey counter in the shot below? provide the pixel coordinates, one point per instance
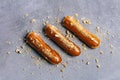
(14, 24)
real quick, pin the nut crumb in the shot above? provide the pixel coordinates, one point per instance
(9, 42)
(57, 20)
(48, 17)
(64, 64)
(87, 63)
(32, 73)
(62, 70)
(25, 15)
(83, 18)
(86, 21)
(22, 46)
(33, 57)
(23, 69)
(46, 22)
(27, 31)
(76, 14)
(96, 60)
(111, 52)
(84, 46)
(57, 65)
(111, 46)
(98, 65)
(101, 52)
(18, 51)
(32, 21)
(98, 29)
(82, 60)
(60, 9)
(108, 32)
(98, 17)
(113, 36)
(37, 62)
(8, 52)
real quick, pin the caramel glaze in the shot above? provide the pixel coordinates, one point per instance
(53, 33)
(35, 41)
(86, 36)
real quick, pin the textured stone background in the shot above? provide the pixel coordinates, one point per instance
(14, 24)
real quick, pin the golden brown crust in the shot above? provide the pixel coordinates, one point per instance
(53, 33)
(86, 36)
(40, 46)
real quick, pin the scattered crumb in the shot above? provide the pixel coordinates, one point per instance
(64, 64)
(32, 21)
(57, 20)
(111, 52)
(37, 62)
(8, 52)
(96, 60)
(111, 46)
(62, 76)
(60, 9)
(101, 52)
(62, 70)
(25, 15)
(9, 42)
(98, 65)
(108, 32)
(82, 60)
(22, 46)
(20, 39)
(98, 17)
(98, 29)
(46, 22)
(29, 49)
(113, 36)
(32, 73)
(33, 57)
(23, 69)
(27, 31)
(86, 21)
(76, 14)
(56, 65)
(48, 17)
(87, 63)
(84, 46)
(82, 18)
(18, 51)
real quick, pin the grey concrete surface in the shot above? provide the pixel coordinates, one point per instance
(14, 26)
